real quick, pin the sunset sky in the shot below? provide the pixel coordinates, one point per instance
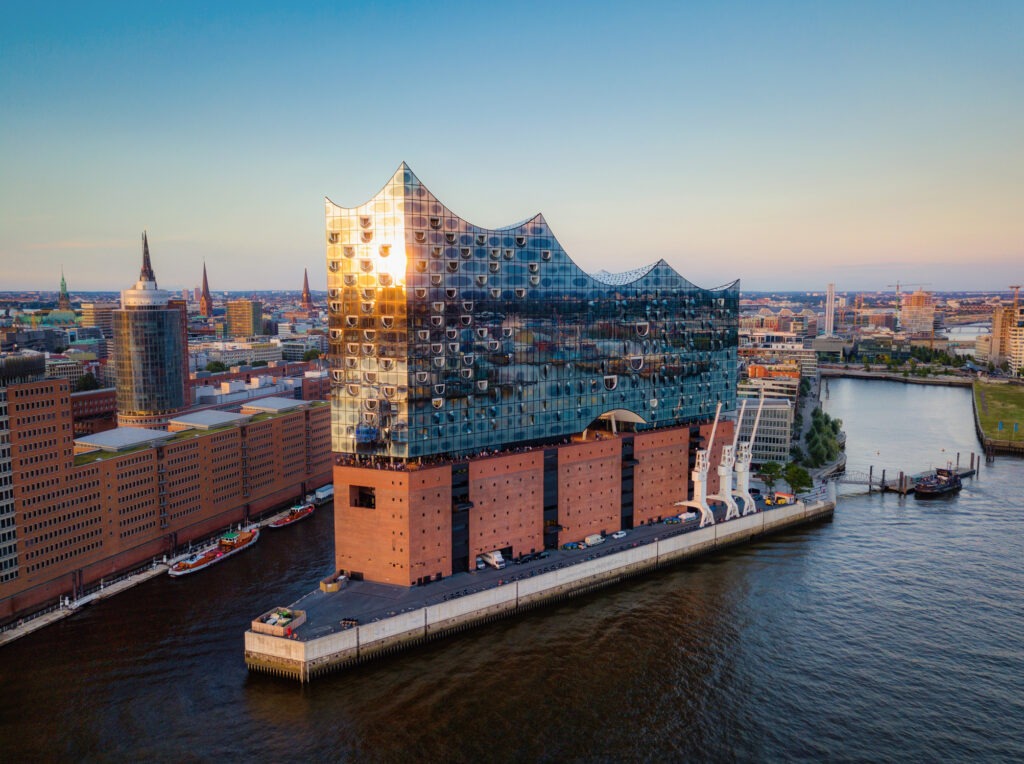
(787, 144)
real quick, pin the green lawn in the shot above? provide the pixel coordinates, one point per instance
(1000, 403)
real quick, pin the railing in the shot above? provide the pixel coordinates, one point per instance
(86, 592)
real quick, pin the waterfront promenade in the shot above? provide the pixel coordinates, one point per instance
(941, 380)
(67, 607)
(366, 620)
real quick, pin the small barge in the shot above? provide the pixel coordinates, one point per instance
(942, 483)
(296, 513)
(228, 544)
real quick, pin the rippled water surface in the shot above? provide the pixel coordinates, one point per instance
(896, 631)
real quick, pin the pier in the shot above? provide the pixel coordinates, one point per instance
(898, 481)
(365, 620)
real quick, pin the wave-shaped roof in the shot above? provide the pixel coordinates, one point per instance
(419, 202)
(625, 277)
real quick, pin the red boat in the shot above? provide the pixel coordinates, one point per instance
(229, 544)
(296, 513)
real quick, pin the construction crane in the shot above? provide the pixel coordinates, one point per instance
(918, 285)
(899, 318)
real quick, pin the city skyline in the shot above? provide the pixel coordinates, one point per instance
(790, 147)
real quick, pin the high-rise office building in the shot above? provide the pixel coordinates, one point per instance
(150, 352)
(245, 318)
(517, 401)
(917, 313)
(101, 315)
(830, 310)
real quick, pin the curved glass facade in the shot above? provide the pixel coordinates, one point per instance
(449, 339)
(148, 353)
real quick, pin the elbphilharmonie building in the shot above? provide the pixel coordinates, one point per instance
(447, 338)
(488, 394)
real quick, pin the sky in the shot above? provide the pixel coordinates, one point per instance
(787, 144)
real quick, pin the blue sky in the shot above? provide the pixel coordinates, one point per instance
(787, 144)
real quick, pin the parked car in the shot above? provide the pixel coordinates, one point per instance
(672, 520)
(619, 535)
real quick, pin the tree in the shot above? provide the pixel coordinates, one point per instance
(798, 478)
(311, 355)
(771, 472)
(86, 382)
(216, 366)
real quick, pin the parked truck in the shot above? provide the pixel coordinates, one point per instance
(594, 539)
(494, 559)
(323, 494)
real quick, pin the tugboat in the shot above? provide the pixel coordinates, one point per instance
(296, 513)
(943, 482)
(229, 544)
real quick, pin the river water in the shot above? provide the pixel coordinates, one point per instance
(895, 631)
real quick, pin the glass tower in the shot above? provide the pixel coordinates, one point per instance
(450, 339)
(149, 341)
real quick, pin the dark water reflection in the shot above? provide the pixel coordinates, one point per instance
(894, 631)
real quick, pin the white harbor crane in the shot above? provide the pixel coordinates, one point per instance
(725, 466)
(700, 477)
(743, 458)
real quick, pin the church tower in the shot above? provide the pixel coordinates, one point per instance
(307, 298)
(63, 300)
(205, 300)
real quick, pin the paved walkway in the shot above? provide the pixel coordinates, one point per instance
(362, 602)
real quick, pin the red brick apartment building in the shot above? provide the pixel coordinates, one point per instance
(79, 517)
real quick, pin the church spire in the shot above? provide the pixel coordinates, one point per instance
(63, 299)
(205, 299)
(307, 298)
(146, 274)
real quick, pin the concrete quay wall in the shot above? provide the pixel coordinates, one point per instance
(305, 659)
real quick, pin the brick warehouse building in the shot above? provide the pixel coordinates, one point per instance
(487, 394)
(87, 509)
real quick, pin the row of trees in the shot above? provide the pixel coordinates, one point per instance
(798, 478)
(822, 440)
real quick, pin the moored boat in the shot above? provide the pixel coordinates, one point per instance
(228, 544)
(944, 481)
(296, 513)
